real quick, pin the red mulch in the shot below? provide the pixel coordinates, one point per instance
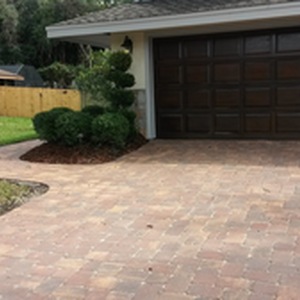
(83, 154)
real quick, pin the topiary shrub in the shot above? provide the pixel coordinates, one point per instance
(120, 60)
(93, 110)
(120, 79)
(131, 118)
(119, 98)
(44, 123)
(110, 129)
(73, 128)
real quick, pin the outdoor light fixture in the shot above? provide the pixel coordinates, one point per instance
(127, 44)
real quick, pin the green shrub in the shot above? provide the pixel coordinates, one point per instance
(73, 128)
(44, 123)
(93, 110)
(121, 79)
(110, 129)
(119, 98)
(120, 60)
(131, 118)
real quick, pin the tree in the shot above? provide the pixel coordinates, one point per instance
(9, 50)
(23, 36)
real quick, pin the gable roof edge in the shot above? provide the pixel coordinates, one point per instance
(183, 20)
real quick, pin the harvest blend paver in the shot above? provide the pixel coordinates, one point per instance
(176, 220)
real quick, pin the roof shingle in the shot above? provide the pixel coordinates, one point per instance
(159, 8)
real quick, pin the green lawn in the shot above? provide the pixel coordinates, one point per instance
(14, 130)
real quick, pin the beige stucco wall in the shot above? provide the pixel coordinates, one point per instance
(138, 55)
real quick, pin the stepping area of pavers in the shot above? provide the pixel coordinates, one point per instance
(175, 220)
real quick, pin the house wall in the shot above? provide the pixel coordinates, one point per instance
(138, 69)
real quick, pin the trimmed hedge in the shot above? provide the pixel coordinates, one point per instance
(44, 123)
(73, 128)
(93, 110)
(110, 129)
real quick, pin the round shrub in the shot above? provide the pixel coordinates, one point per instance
(119, 98)
(44, 123)
(121, 79)
(93, 110)
(131, 117)
(120, 60)
(73, 128)
(110, 129)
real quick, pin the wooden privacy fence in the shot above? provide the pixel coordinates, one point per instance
(27, 101)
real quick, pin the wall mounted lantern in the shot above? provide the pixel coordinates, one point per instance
(127, 44)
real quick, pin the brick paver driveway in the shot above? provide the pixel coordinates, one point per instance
(176, 220)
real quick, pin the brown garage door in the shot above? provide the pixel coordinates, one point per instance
(243, 85)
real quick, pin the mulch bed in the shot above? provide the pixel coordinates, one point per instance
(83, 154)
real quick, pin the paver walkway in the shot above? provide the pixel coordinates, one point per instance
(176, 220)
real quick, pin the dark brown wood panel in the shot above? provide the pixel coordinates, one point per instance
(258, 71)
(257, 97)
(258, 123)
(237, 85)
(196, 74)
(227, 72)
(227, 47)
(199, 124)
(260, 44)
(197, 99)
(288, 69)
(229, 98)
(227, 124)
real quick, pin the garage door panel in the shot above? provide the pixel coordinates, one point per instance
(258, 123)
(169, 74)
(170, 99)
(227, 98)
(196, 74)
(260, 44)
(288, 69)
(288, 122)
(168, 50)
(288, 96)
(198, 99)
(227, 124)
(195, 49)
(227, 72)
(288, 42)
(258, 71)
(199, 123)
(257, 97)
(229, 85)
(171, 124)
(227, 47)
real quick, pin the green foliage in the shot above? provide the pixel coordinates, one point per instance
(131, 118)
(23, 37)
(44, 123)
(58, 73)
(93, 110)
(121, 79)
(110, 129)
(73, 128)
(11, 195)
(119, 98)
(106, 80)
(120, 61)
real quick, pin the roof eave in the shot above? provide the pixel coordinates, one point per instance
(263, 12)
